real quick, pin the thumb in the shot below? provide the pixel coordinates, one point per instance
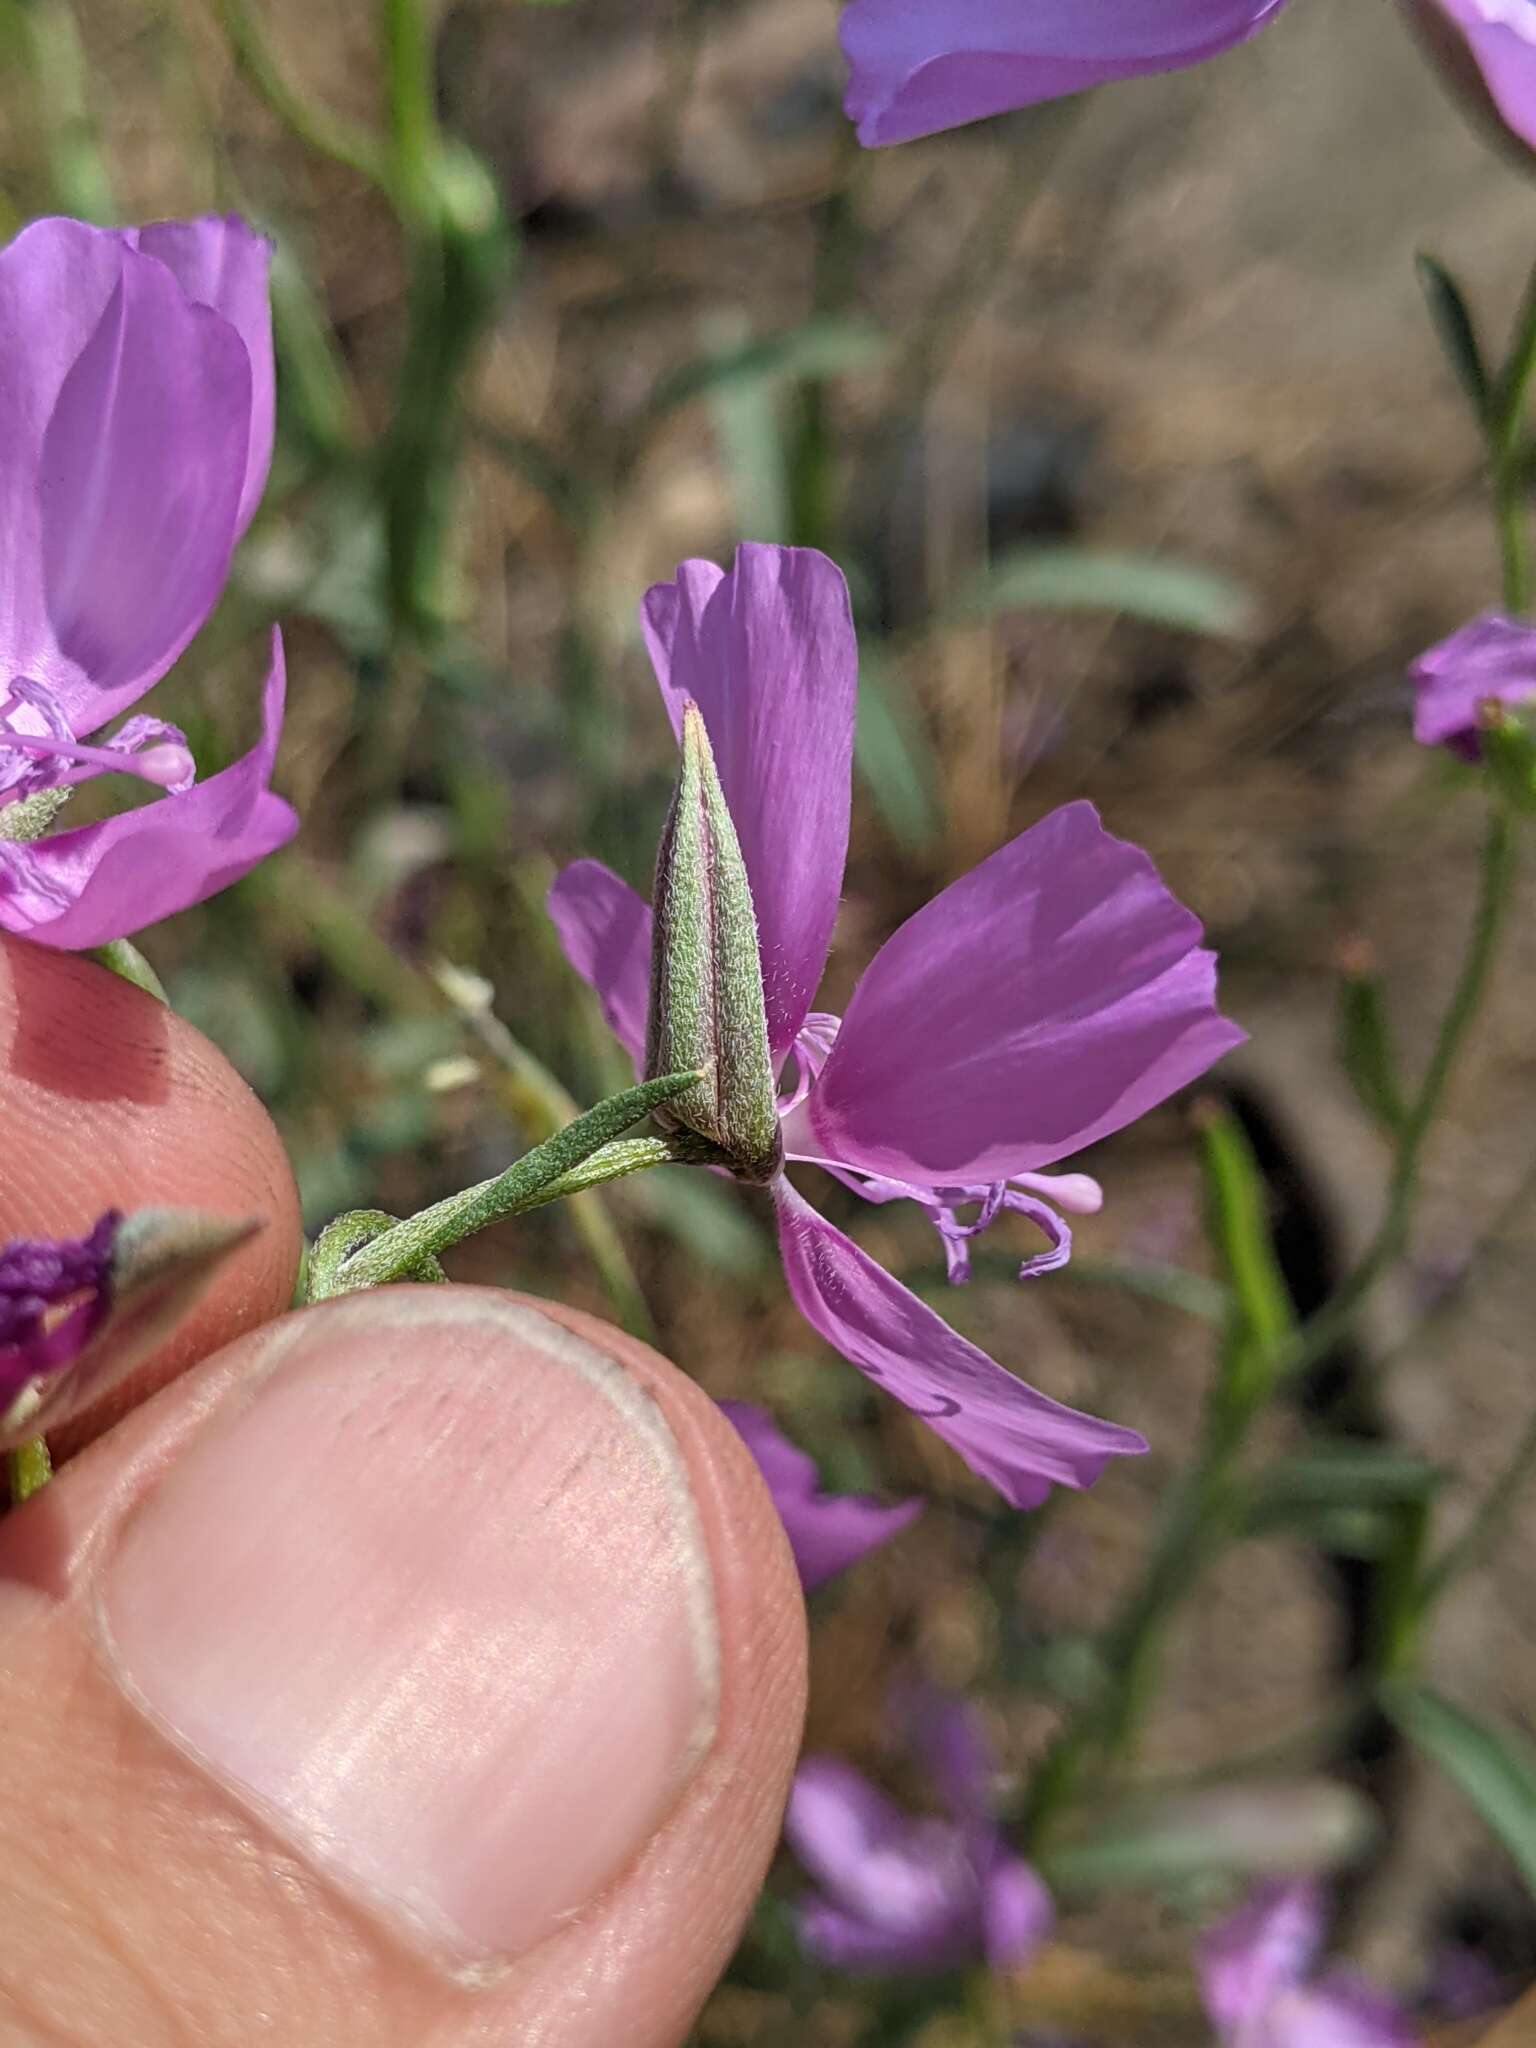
(425, 1668)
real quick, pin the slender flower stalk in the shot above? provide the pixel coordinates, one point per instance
(370, 1249)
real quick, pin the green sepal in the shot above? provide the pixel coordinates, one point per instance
(707, 1008)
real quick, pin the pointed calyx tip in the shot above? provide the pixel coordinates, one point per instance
(707, 1006)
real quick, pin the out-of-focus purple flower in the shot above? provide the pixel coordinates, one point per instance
(1490, 661)
(1463, 1984)
(1261, 1986)
(903, 1894)
(135, 433)
(917, 66)
(1046, 999)
(827, 1531)
(55, 1293)
(1488, 48)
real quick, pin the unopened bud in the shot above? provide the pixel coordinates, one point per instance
(707, 976)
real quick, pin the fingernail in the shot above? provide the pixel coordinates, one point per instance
(436, 1601)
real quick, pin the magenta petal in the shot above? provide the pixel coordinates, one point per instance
(827, 1531)
(1492, 657)
(1050, 996)
(918, 66)
(768, 655)
(881, 1867)
(125, 417)
(950, 1739)
(1268, 1945)
(604, 929)
(1500, 41)
(220, 261)
(1015, 1438)
(107, 881)
(1017, 1912)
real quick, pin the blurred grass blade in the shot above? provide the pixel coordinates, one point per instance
(1159, 590)
(1237, 1212)
(1345, 1478)
(1457, 332)
(749, 430)
(824, 347)
(1255, 1830)
(77, 173)
(892, 754)
(1494, 1768)
(1365, 1047)
(319, 404)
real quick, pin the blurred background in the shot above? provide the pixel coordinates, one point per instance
(1125, 420)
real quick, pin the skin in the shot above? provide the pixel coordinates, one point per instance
(139, 1901)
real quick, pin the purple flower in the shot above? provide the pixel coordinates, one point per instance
(54, 1296)
(1260, 1984)
(1492, 660)
(900, 1893)
(1488, 47)
(135, 432)
(1046, 999)
(827, 1531)
(917, 66)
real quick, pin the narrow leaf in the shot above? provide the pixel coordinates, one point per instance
(1068, 579)
(1261, 1315)
(1494, 1768)
(1457, 332)
(1365, 1045)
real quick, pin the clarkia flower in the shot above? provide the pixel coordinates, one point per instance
(918, 66)
(827, 1531)
(1490, 661)
(1262, 1987)
(135, 434)
(901, 1893)
(1488, 50)
(1046, 999)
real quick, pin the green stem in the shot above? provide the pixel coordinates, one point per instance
(1487, 1525)
(29, 1470)
(542, 1105)
(1507, 417)
(405, 31)
(406, 1247)
(322, 132)
(1325, 1329)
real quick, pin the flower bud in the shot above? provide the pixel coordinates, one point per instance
(706, 974)
(78, 1314)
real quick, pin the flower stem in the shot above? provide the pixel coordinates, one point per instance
(1487, 1524)
(1324, 1330)
(402, 1249)
(318, 130)
(539, 1102)
(1507, 417)
(28, 1470)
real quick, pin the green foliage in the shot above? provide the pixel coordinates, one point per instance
(1494, 1767)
